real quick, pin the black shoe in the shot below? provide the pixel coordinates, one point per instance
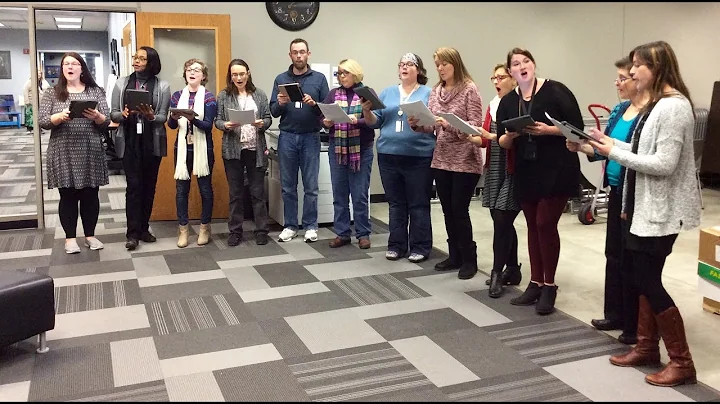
(529, 297)
(546, 302)
(147, 237)
(510, 276)
(261, 238)
(628, 339)
(449, 264)
(234, 240)
(496, 287)
(469, 258)
(131, 244)
(606, 325)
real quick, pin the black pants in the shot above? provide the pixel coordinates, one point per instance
(621, 295)
(646, 256)
(455, 191)
(235, 173)
(89, 210)
(505, 241)
(141, 173)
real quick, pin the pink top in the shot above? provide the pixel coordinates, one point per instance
(453, 152)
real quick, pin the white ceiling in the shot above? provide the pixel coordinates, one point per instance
(16, 18)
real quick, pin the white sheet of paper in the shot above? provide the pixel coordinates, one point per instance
(567, 132)
(241, 117)
(459, 124)
(419, 110)
(334, 113)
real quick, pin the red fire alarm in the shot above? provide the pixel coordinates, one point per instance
(26, 51)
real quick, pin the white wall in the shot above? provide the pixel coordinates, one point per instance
(116, 23)
(15, 40)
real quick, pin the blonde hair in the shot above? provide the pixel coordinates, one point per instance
(452, 56)
(354, 68)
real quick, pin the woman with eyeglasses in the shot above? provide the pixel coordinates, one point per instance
(546, 173)
(498, 194)
(141, 141)
(404, 158)
(75, 155)
(194, 154)
(243, 149)
(621, 296)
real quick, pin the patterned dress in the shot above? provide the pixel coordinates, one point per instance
(75, 155)
(498, 188)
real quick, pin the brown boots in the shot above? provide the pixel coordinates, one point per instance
(669, 325)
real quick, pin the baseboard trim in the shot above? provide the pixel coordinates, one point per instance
(19, 224)
(377, 198)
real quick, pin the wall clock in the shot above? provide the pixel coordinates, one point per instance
(293, 16)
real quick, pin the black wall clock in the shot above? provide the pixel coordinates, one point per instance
(293, 16)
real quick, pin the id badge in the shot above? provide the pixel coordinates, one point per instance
(243, 137)
(139, 127)
(398, 126)
(190, 138)
(298, 104)
(530, 151)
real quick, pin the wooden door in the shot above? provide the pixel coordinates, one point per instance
(177, 38)
(128, 50)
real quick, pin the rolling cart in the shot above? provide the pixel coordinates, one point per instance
(592, 200)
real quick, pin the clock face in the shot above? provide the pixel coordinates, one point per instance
(293, 16)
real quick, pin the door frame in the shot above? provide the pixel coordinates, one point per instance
(145, 25)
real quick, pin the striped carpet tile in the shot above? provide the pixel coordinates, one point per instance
(376, 289)
(358, 376)
(20, 242)
(539, 388)
(96, 296)
(196, 313)
(136, 393)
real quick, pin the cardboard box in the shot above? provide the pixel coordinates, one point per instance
(709, 255)
(711, 306)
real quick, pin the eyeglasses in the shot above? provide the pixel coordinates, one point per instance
(499, 77)
(139, 58)
(343, 73)
(236, 75)
(74, 64)
(406, 64)
(621, 80)
(193, 70)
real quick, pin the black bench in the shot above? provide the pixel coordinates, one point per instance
(27, 307)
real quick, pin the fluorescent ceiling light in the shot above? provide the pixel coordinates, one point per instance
(66, 26)
(68, 19)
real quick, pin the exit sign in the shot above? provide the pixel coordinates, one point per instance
(26, 51)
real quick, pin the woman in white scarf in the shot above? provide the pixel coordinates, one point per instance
(193, 110)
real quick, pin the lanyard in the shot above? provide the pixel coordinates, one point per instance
(521, 104)
(403, 101)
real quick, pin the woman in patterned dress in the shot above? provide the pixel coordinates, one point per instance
(75, 155)
(498, 192)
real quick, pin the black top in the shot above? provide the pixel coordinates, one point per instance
(555, 171)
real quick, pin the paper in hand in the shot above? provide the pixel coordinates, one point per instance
(572, 133)
(333, 112)
(420, 111)
(459, 124)
(242, 117)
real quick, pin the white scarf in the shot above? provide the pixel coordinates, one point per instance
(494, 103)
(200, 159)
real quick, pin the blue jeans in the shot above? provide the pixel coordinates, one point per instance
(182, 191)
(347, 183)
(299, 151)
(408, 185)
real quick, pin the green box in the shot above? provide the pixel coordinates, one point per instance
(709, 272)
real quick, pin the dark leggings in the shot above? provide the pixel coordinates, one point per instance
(505, 241)
(89, 210)
(542, 217)
(647, 266)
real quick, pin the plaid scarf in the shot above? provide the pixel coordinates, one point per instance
(347, 136)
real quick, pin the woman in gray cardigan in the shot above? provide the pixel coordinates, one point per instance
(660, 198)
(244, 150)
(141, 141)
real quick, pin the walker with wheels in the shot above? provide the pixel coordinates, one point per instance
(597, 198)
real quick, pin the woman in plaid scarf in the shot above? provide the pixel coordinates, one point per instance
(351, 155)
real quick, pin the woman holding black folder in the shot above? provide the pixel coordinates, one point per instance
(141, 141)
(547, 174)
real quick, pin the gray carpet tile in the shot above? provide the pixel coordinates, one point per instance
(296, 305)
(22, 263)
(185, 290)
(196, 313)
(96, 296)
(197, 261)
(416, 324)
(78, 370)
(103, 338)
(369, 290)
(90, 268)
(532, 386)
(17, 361)
(35, 270)
(142, 392)
(253, 251)
(21, 241)
(271, 381)
(285, 274)
(220, 338)
(503, 306)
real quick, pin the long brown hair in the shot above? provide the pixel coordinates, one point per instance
(660, 58)
(61, 91)
(452, 56)
(230, 87)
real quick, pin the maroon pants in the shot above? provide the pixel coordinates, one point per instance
(542, 217)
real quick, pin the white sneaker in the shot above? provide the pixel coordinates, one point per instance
(287, 234)
(311, 236)
(72, 247)
(415, 257)
(94, 244)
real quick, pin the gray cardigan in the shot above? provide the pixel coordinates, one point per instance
(161, 104)
(231, 146)
(667, 199)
